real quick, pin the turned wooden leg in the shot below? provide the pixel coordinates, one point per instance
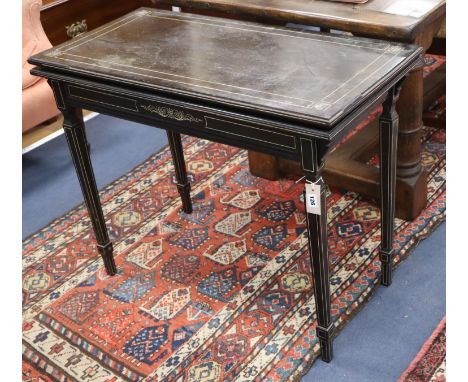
(183, 185)
(316, 215)
(264, 165)
(388, 135)
(411, 178)
(76, 138)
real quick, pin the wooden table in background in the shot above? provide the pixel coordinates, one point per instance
(410, 21)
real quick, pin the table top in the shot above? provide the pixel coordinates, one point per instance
(400, 20)
(308, 77)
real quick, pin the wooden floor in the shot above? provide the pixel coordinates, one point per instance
(45, 129)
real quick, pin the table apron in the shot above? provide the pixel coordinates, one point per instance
(214, 125)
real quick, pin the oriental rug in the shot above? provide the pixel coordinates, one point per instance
(429, 363)
(223, 294)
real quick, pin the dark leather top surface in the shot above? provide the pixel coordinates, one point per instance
(306, 76)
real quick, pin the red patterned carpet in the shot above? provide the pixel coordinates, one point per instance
(429, 364)
(223, 294)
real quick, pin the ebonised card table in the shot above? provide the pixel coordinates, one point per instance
(269, 89)
(408, 21)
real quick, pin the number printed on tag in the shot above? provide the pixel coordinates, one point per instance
(313, 198)
(312, 201)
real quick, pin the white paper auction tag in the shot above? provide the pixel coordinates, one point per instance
(312, 195)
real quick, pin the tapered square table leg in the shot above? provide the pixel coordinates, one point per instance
(388, 134)
(73, 126)
(312, 161)
(318, 249)
(183, 185)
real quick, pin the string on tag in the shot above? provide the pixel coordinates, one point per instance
(307, 181)
(297, 181)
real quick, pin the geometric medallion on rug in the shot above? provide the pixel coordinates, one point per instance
(429, 363)
(222, 294)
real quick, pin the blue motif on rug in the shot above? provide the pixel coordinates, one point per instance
(146, 343)
(349, 229)
(245, 178)
(181, 268)
(248, 274)
(219, 182)
(275, 302)
(181, 335)
(132, 289)
(278, 210)
(190, 238)
(201, 211)
(271, 237)
(218, 285)
(89, 281)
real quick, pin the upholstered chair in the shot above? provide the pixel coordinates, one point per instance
(38, 99)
